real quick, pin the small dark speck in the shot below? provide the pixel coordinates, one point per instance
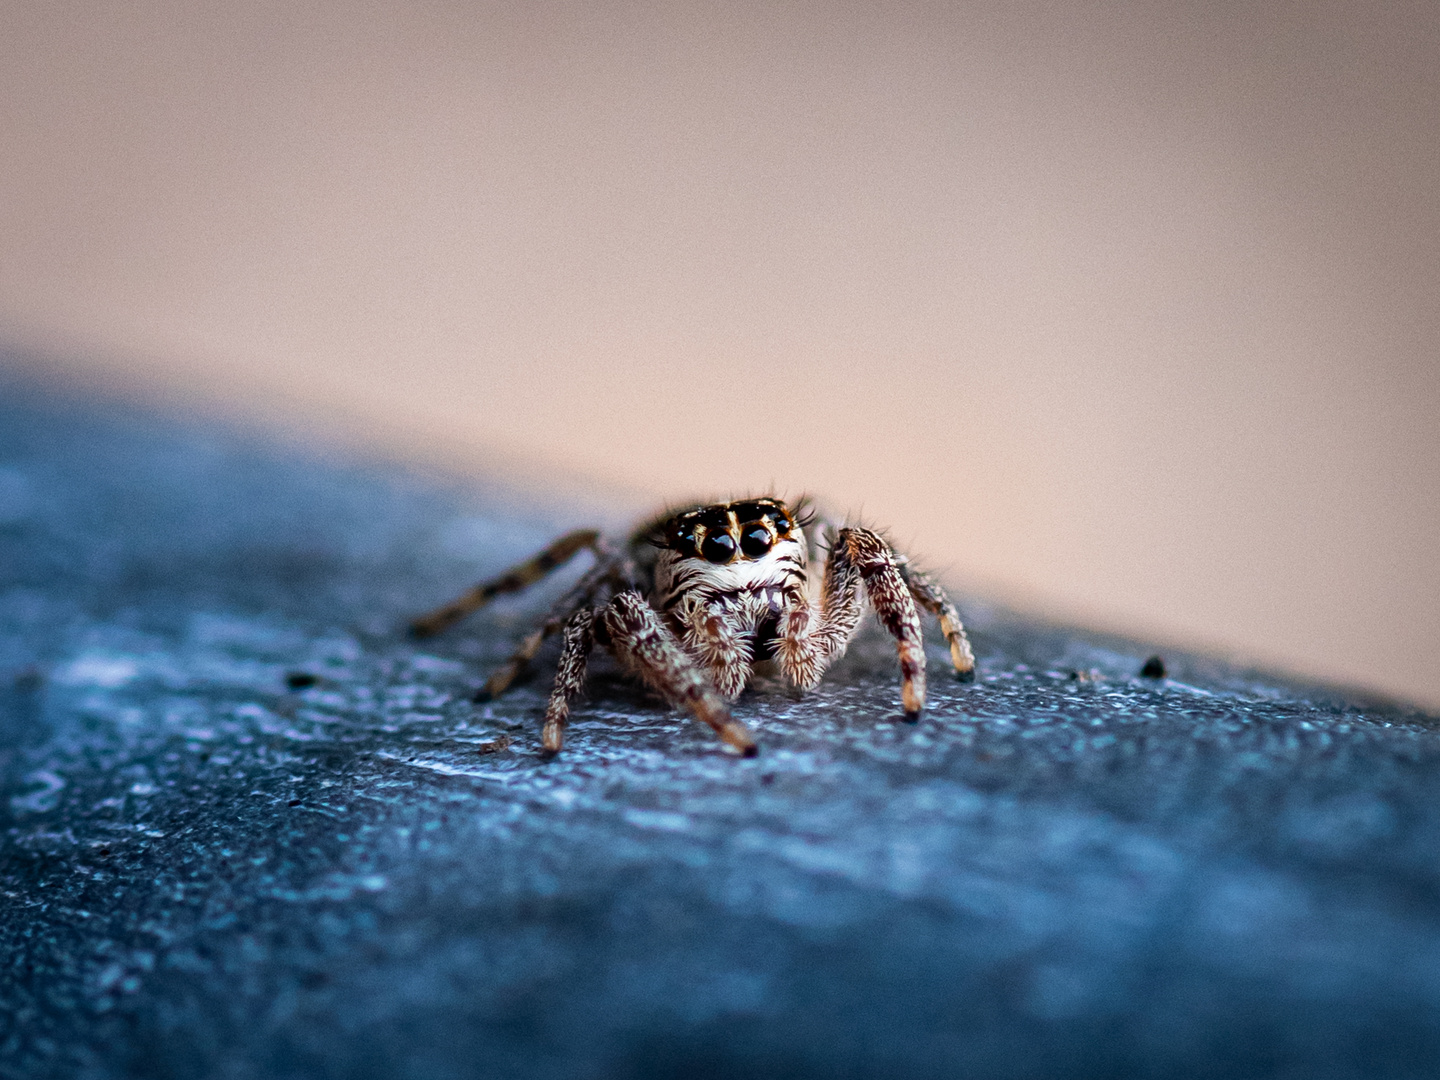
(104, 851)
(768, 778)
(1154, 668)
(293, 802)
(28, 680)
(300, 680)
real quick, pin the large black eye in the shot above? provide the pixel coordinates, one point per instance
(755, 540)
(718, 547)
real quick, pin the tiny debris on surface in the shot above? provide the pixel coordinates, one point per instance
(1153, 668)
(252, 830)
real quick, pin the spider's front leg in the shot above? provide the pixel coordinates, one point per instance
(518, 660)
(891, 599)
(608, 571)
(569, 677)
(645, 646)
(859, 560)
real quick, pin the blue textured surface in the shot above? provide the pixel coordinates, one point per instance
(206, 874)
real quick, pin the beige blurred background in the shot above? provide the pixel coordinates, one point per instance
(1128, 313)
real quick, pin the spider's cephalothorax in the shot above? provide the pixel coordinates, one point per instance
(697, 598)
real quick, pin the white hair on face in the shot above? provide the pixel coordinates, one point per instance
(678, 576)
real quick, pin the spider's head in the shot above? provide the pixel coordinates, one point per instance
(749, 546)
(725, 532)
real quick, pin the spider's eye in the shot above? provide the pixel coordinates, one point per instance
(755, 540)
(781, 522)
(718, 547)
(682, 537)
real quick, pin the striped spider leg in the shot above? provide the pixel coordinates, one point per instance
(604, 605)
(515, 579)
(929, 595)
(697, 599)
(862, 565)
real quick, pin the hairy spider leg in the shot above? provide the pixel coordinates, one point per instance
(891, 599)
(513, 580)
(929, 595)
(859, 559)
(646, 647)
(569, 676)
(501, 678)
(608, 570)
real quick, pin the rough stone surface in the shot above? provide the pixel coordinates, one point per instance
(207, 872)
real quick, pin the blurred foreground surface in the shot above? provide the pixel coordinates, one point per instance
(206, 872)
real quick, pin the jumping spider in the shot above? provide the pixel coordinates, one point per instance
(696, 599)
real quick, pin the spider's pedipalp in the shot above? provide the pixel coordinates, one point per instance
(810, 642)
(722, 646)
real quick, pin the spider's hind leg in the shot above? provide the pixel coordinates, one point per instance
(513, 580)
(509, 671)
(929, 595)
(600, 576)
